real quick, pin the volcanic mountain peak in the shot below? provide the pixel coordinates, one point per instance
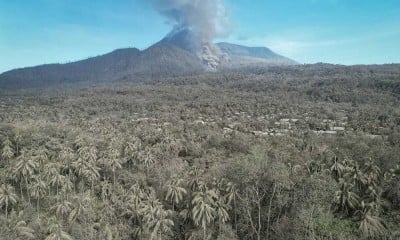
(185, 38)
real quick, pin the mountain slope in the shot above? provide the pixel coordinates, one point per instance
(183, 38)
(166, 60)
(243, 56)
(94, 69)
(161, 60)
(179, 53)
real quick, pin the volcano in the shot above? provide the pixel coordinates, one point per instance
(223, 55)
(210, 54)
(180, 53)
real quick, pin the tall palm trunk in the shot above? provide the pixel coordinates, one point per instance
(114, 178)
(234, 213)
(20, 189)
(269, 210)
(27, 190)
(37, 208)
(259, 221)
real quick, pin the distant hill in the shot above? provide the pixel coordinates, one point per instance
(93, 69)
(122, 64)
(179, 53)
(243, 56)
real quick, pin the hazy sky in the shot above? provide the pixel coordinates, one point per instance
(34, 32)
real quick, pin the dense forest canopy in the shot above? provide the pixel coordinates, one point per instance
(299, 152)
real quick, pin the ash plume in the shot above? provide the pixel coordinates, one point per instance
(201, 21)
(208, 19)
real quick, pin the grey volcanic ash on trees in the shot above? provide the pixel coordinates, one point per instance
(195, 24)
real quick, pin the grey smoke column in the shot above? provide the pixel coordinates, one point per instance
(206, 18)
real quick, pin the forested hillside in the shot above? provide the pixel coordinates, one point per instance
(300, 152)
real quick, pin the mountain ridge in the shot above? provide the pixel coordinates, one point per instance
(178, 54)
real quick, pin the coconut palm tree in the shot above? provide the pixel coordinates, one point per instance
(195, 174)
(88, 153)
(103, 230)
(373, 168)
(219, 185)
(78, 166)
(86, 164)
(67, 156)
(392, 190)
(80, 142)
(17, 229)
(23, 231)
(25, 168)
(7, 196)
(62, 208)
(370, 226)
(114, 163)
(55, 179)
(133, 207)
(132, 147)
(41, 157)
(175, 192)
(203, 211)
(373, 174)
(337, 168)
(131, 150)
(147, 204)
(79, 207)
(106, 190)
(346, 198)
(232, 195)
(221, 210)
(7, 151)
(38, 190)
(147, 159)
(158, 221)
(356, 177)
(91, 173)
(56, 232)
(149, 200)
(67, 187)
(17, 140)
